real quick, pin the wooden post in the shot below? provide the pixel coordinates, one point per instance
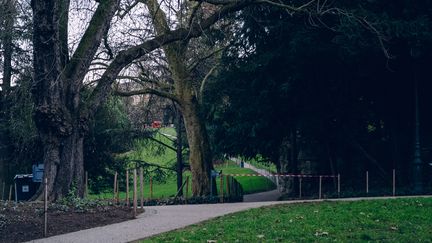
(45, 207)
(151, 187)
(115, 186)
(86, 185)
(141, 187)
(300, 187)
(227, 186)
(394, 182)
(367, 182)
(221, 189)
(135, 196)
(3, 190)
(320, 187)
(338, 185)
(127, 188)
(10, 193)
(118, 192)
(277, 183)
(187, 187)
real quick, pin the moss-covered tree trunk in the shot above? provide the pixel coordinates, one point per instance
(200, 158)
(59, 117)
(179, 151)
(58, 80)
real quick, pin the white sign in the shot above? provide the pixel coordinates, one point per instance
(25, 188)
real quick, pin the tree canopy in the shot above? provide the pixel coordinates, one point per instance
(312, 86)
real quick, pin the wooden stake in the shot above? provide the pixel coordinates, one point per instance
(338, 186)
(141, 187)
(115, 186)
(135, 195)
(3, 190)
(367, 182)
(45, 207)
(86, 185)
(300, 187)
(187, 186)
(10, 193)
(320, 187)
(227, 186)
(118, 192)
(151, 187)
(221, 189)
(127, 188)
(394, 182)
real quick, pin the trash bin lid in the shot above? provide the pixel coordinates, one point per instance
(21, 176)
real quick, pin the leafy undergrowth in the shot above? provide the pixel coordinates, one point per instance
(24, 221)
(390, 220)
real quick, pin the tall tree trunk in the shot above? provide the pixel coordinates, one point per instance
(59, 118)
(64, 164)
(179, 151)
(199, 147)
(52, 116)
(294, 161)
(288, 163)
(286, 184)
(9, 15)
(9, 19)
(3, 155)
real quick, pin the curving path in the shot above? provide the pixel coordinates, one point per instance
(159, 219)
(155, 220)
(267, 196)
(273, 195)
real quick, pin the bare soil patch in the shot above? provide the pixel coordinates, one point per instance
(21, 222)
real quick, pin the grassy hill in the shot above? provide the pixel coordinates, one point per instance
(152, 152)
(389, 220)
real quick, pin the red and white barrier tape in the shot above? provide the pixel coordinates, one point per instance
(285, 175)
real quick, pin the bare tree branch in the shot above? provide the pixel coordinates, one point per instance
(147, 91)
(197, 62)
(81, 59)
(204, 81)
(162, 143)
(289, 7)
(126, 57)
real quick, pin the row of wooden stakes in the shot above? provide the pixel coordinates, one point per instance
(116, 190)
(135, 195)
(4, 190)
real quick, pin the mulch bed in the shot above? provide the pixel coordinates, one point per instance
(24, 221)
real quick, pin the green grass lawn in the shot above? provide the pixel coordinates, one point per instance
(257, 162)
(250, 184)
(168, 130)
(151, 152)
(391, 220)
(160, 190)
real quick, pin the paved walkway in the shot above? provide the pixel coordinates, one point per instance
(155, 220)
(161, 219)
(262, 196)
